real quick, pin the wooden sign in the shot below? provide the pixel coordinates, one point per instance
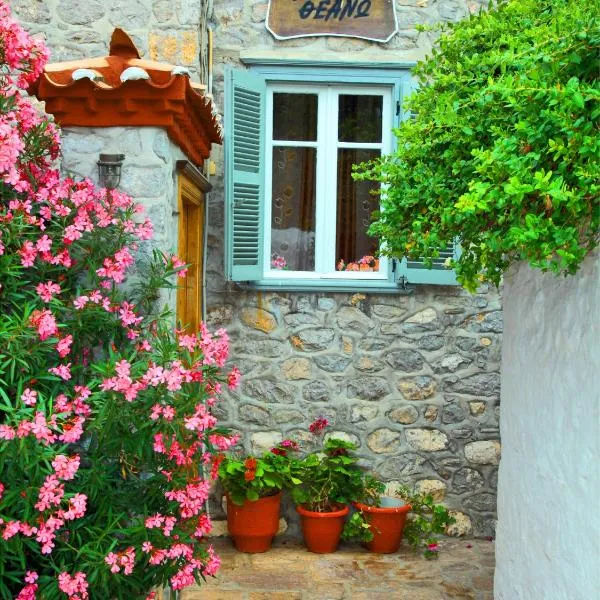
(367, 19)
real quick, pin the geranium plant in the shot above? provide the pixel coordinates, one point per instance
(107, 441)
(329, 475)
(253, 477)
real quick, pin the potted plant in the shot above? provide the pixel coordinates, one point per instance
(253, 489)
(324, 482)
(380, 521)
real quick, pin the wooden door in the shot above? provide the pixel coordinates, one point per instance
(191, 251)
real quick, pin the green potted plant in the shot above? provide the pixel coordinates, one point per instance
(323, 483)
(253, 489)
(380, 521)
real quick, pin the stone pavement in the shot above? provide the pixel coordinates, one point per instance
(464, 570)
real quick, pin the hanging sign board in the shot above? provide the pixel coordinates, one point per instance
(367, 19)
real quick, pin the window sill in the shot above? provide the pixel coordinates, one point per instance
(320, 285)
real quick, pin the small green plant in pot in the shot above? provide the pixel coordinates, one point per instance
(253, 487)
(381, 522)
(324, 482)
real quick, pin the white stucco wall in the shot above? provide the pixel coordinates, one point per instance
(548, 535)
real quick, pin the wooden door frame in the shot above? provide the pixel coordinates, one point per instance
(192, 187)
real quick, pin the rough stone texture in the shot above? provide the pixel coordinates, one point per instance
(549, 481)
(433, 487)
(427, 440)
(483, 453)
(417, 388)
(161, 30)
(383, 441)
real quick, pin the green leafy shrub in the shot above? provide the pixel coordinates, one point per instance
(502, 150)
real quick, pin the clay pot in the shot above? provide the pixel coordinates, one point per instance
(387, 524)
(253, 524)
(322, 530)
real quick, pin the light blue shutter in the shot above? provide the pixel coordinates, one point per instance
(244, 174)
(416, 272)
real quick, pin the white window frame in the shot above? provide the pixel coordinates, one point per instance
(327, 145)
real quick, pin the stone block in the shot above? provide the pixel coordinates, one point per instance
(467, 480)
(428, 315)
(404, 415)
(326, 304)
(31, 11)
(451, 363)
(462, 525)
(433, 487)
(483, 502)
(75, 12)
(366, 364)
(313, 339)
(266, 348)
(477, 408)
(296, 368)
(384, 441)
(258, 318)
(453, 412)
(431, 342)
(484, 384)
(405, 360)
(389, 312)
(363, 413)
(406, 465)
(133, 14)
(431, 413)
(368, 388)
(349, 317)
(484, 452)
(268, 390)
(263, 441)
(316, 391)
(332, 363)
(250, 413)
(427, 440)
(297, 319)
(417, 388)
(344, 436)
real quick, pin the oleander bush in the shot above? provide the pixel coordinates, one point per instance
(107, 442)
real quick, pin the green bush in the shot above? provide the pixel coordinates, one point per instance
(502, 150)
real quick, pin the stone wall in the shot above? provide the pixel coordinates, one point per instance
(167, 30)
(413, 380)
(549, 528)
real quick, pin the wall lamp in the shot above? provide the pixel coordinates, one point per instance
(109, 170)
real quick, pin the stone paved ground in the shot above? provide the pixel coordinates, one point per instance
(464, 571)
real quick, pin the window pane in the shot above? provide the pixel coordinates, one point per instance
(293, 209)
(359, 118)
(355, 250)
(295, 117)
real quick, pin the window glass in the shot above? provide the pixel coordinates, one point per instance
(293, 208)
(294, 117)
(355, 250)
(360, 118)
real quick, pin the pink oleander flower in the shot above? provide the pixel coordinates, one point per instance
(66, 467)
(29, 397)
(76, 586)
(45, 323)
(46, 291)
(64, 345)
(234, 378)
(62, 371)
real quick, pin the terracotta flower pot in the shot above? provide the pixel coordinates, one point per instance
(322, 530)
(387, 524)
(253, 524)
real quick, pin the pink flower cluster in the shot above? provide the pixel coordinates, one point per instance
(122, 560)
(75, 586)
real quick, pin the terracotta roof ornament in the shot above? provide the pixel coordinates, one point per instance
(123, 90)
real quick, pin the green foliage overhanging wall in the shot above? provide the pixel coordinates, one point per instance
(502, 150)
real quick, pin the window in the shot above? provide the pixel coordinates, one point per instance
(295, 216)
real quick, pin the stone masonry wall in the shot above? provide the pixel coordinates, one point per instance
(166, 30)
(413, 380)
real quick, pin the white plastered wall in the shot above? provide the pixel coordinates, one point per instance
(548, 535)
